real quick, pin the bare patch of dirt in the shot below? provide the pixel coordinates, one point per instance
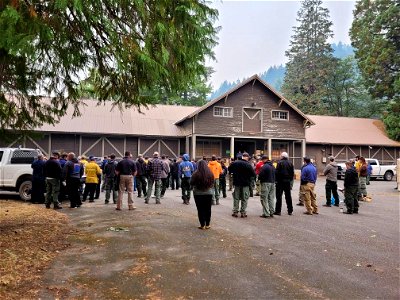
(31, 236)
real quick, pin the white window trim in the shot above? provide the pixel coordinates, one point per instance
(223, 107)
(275, 119)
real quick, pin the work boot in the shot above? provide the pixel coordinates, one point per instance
(243, 215)
(235, 214)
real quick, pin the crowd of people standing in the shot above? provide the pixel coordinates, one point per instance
(78, 178)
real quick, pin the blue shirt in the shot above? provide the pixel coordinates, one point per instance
(309, 173)
(186, 168)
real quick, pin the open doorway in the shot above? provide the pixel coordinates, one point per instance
(245, 146)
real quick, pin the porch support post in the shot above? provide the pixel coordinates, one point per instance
(232, 147)
(102, 147)
(303, 148)
(187, 143)
(193, 146)
(270, 148)
(80, 144)
(50, 142)
(138, 145)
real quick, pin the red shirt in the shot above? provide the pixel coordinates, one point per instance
(259, 165)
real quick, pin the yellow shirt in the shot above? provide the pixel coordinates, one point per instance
(358, 165)
(92, 170)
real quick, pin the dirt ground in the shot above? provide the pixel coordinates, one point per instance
(157, 252)
(30, 238)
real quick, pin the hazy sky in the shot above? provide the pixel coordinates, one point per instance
(256, 34)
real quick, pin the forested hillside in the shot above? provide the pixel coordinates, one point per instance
(274, 75)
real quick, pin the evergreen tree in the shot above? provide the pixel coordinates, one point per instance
(130, 47)
(375, 34)
(273, 76)
(310, 58)
(346, 92)
(194, 95)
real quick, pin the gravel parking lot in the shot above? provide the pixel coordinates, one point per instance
(160, 254)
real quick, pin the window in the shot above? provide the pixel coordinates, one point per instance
(225, 112)
(208, 148)
(1, 155)
(23, 156)
(280, 115)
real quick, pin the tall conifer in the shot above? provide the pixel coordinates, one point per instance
(310, 58)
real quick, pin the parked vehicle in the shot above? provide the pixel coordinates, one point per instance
(16, 171)
(386, 172)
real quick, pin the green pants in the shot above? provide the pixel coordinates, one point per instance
(157, 187)
(52, 191)
(258, 187)
(110, 189)
(267, 198)
(215, 196)
(240, 194)
(351, 201)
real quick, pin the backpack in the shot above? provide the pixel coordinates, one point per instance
(109, 169)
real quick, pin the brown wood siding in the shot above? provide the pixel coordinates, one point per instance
(186, 127)
(42, 141)
(13, 141)
(173, 150)
(317, 155)
(132, 145)
(65, 142)
(111, 142)
(182, 149)
(91, 145)
(385, 155)
(148, 146)
(255, 96)
(252, 120)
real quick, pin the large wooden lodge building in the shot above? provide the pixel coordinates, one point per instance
(251, 117)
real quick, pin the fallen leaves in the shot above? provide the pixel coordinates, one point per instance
(30, 237)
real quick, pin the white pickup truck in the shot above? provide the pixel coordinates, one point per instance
(387, 172)
(16, 171)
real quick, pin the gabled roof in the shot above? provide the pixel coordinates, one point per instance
(243, 83)
(348, 131)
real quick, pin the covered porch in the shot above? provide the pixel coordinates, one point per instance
(230, 146)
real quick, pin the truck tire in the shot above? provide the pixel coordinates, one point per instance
(24, 190)
(388, 176)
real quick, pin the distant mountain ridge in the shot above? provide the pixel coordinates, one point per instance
(275, 74)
